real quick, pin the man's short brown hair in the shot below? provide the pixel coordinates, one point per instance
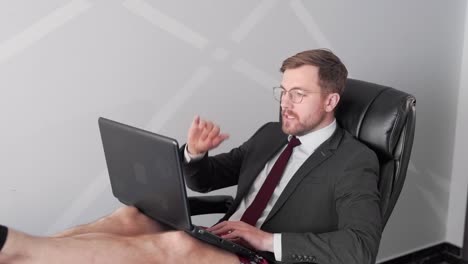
(332, 72)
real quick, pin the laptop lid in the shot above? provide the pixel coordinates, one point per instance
(145, 172)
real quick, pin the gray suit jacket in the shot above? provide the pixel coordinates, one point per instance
(330, 210)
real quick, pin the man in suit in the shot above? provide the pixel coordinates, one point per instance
(307, 190)
(325, 208)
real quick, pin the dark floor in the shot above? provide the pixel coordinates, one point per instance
(444, 253)
(443, 262)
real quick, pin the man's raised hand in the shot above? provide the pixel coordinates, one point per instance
(203, 136)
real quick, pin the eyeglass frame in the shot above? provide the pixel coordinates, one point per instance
(302, 93)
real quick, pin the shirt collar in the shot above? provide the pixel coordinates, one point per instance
(312, 140)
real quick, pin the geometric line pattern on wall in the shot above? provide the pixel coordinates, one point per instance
(178, 101)
(41, 28)
(101, 183)
(253, 73)
(252, 19)
(78, 205)
(166, 23)
(309, 23)
(184, 33)
(155, 17)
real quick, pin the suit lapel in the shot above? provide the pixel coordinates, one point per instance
(276, 143)
(322, 153)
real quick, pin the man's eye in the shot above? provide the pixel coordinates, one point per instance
(296, 93)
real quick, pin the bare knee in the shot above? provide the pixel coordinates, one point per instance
(126, 217)
(126, 212)
(175, 243)
(132, 222)
(179, 247)
(183, 243)
(166, 247)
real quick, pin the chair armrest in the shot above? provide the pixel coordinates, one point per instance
(218, 204)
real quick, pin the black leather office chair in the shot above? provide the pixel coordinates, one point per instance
(381, 117)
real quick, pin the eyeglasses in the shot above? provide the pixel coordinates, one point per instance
(295, 95)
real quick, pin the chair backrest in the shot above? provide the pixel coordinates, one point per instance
(384, 119)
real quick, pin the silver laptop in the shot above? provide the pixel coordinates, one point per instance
(145, 172)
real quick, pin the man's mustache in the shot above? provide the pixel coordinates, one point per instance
(289, 113)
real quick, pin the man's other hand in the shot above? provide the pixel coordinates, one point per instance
(245, 233)
(203, 136)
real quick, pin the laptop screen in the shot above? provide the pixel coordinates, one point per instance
(145, 172)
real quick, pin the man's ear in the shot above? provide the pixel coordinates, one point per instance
(331, 102)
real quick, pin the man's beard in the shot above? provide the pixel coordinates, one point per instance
(291, 126)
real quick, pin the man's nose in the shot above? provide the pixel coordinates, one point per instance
(285, 101)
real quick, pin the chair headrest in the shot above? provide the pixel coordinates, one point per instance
(374, 114)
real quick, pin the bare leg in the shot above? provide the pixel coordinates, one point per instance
(179, 247)
(138, 239)
(91, 248)
(86, 248)
(162, 248)
(125, 221)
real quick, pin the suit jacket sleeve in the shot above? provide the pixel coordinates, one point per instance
(357, 237)
(220, 171)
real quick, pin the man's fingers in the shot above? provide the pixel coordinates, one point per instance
(220, 231)
(238, 237)
(214, 132)
(206, 130)
(221, 228)
(193, 134)
(201, 124)
(204, 135)
(194, 126)
(196, 121)
(232, 235)
(219, 139)
(202, 130)
(217, 226)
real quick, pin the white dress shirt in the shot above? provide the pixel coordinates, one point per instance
(309, 143)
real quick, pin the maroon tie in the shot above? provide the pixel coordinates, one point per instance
(252, 214)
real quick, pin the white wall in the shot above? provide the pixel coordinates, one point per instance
(154, 64)
(459, 182)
